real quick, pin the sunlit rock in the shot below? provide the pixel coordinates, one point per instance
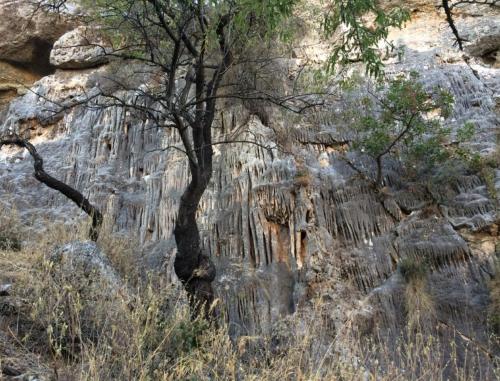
(80, 48)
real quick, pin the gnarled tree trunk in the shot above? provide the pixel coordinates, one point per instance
(193, 267)
(71, 193)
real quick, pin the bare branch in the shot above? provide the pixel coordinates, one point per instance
(451, 23)
(71, 193)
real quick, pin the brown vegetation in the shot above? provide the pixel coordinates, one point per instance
(144, 331)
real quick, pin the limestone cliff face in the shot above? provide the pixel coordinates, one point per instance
(283, 228)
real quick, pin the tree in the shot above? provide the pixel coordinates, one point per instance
(198, 41)
(360, 26)
(406, 120)
(193, 45)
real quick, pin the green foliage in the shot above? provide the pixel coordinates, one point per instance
(137, 28)
(466, 132)
(485, 167)
(358, 25)
(362, 25)
(9, 242)
(413, 269)
(494, 288)
(406, 120)
(186, 337)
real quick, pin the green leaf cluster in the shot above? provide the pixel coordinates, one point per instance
(405, 120)
(137, 30)
(358, 25)
(361, 26)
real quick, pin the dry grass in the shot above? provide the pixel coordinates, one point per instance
(70, 327)
(494, 311)
(420, 307)
(10, 235)
(122, 251)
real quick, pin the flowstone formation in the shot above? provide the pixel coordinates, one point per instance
(283, 228)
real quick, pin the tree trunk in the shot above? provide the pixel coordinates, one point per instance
(193, 267)
(379, 171)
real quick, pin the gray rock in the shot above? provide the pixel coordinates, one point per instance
(5, 289)
(482, 37)
(80, 48)
(77, 260)
(155, 257)
(82, 272)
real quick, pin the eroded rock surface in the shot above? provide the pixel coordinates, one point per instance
(26, 40)
(84, 259)
(80, 48)
(282, 228)
(27, 35)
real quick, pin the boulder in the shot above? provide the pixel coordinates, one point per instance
(77, 260)
(26, 40)
(83, 296)
(80, 48)
(5, 289)
(483, 40)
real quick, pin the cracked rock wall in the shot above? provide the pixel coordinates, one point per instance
(283, 228)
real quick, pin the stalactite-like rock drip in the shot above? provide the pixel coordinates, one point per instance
(352, 213)
(468, 203)
(278, 225)
(256, 221)
(431, 242)
(122, 157)
(412, 197)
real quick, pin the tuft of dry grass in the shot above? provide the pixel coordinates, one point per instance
(494, 310)
(419, 305)
(122, 251)
(10, 234)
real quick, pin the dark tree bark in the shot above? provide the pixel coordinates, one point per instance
(451, 23)
(71, 193)
(193, 267)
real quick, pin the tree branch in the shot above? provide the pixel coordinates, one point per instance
(451, 23)
(71, 193)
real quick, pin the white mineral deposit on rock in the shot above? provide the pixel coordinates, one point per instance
(259, 226)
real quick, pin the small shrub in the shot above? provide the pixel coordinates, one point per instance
(413, 269)
(302, 178)
(405, 121)
(9, 242)
(486, 167)
(419, 305)
(123, 252)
